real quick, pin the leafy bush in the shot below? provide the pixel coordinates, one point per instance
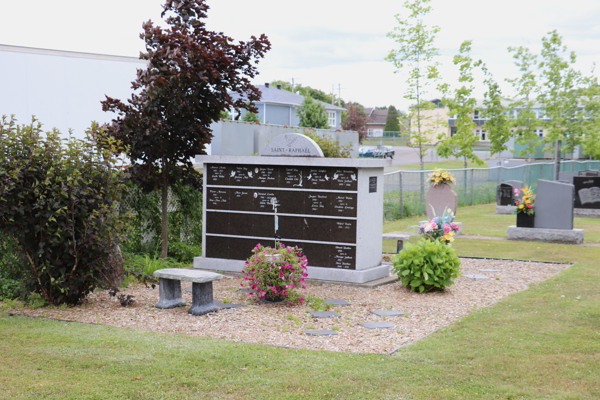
(273, 274)
(183, 252)
(427, 265)
(10, 269)
(331, 148)
(58, 201)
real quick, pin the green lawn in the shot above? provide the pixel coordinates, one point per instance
(542, 343)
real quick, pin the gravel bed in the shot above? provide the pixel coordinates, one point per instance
(283, 324)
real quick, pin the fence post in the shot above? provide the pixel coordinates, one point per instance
(472, 186)
(401, 193)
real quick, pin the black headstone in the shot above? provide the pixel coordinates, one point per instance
(587, 192)
(505, 195)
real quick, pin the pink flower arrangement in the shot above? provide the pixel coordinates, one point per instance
(275, 273)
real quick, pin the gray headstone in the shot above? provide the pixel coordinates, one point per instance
(292, 145)
(517, 184)
(325, 314)
(554, 205)
(476, 276)
(378, 325)
(567, 176)
(320, 332)
(440, 197)
(589, 172)
(337, 302)
(387, 313)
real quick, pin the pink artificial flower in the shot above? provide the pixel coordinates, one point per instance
(447, 228)
(245, 278)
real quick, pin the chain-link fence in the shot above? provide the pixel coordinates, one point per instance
(185, 217)
(405, 191)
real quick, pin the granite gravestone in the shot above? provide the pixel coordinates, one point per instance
(292, 144)
(567, 176)
(505, 195)
(440, 197)
(589, 172)
(587, 192)
(331, 208)
(554, 205)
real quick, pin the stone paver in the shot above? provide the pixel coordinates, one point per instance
(387, 313)
(320, 332)
(325, 314)
(337, 302)
(476, 276)
(378, 325)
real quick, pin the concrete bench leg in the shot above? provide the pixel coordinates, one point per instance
(170, 294)
(202, 299)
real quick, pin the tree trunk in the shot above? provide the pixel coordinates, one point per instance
(164, 235)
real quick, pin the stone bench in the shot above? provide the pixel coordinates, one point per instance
(398, 237)
(202, 290)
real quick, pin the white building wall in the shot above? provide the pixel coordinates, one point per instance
(62, 89)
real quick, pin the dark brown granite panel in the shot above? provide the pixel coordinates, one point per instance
(344, 257)
(318, 229)
(343, 230)
(217, 174)
(241, 224)
(318, 255)
(241, 199)
(344, 179)
(266, 176)
(264, 226)
(291, 227)
(317, 203)
(217, 199)
(318, 178)
(216, 247)
(343, 204)
(241, 249)
(292, 177)
(217, 222)
(290, 202)
(263, 200)
(241, 175)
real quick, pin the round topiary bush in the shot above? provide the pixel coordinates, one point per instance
(427, 265)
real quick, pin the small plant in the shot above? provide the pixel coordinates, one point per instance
(440, 177)
(335, 328)
(427, 265)
(226, 300)
(526, 203)
(273, 274)
(125, 300)
(331, 148)
(317, 304)
(36, 300)
(296, 320)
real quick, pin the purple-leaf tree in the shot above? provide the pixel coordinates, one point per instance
(190, 74)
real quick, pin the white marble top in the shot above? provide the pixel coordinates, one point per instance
(308, 161)
(189, 275)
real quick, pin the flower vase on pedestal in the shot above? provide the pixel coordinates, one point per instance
(525, 220)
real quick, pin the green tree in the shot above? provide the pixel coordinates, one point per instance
(415, 55)
(590, 99)
(312, 114)
(392, 123)
(249, 116)
(331, 148)
(224, 114)
(559, 95)
(306, 91)
(190, 77)
(497, 123)
(463, 105)
(525, 87)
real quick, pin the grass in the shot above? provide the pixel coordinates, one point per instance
(542, 343)
(446, 164)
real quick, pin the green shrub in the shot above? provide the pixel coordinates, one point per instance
(331, 148)
(11, 274)
(58, 201)
(427, 265)
(183, 252)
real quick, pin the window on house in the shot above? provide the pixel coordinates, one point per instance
(453, 131)
(481, 133)
(332, 122)
(476, 114)
(539, 132)
(369, 132)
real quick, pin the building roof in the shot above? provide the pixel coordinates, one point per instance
(376, 116)
(274, 95)
(64, 53)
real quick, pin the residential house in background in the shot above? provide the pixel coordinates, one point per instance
(376, 121)
(278, 106)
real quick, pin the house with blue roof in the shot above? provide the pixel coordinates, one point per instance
(278, 106)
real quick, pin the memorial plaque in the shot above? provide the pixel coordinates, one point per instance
(241, 175)
(217, 222)
(343, 230)
(292, 145)
(265, 200)
(217, 175)
(241, 199)
(373, 184)
(317, 203)
(505, 195)
(292, 177)
(217, 247)
(343, 204)
(587, 192)
(344, 257)
(266, 176)
(290, 202)
(217, 199)
(344, 179)
(318, 178)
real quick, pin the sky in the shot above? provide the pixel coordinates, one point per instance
(327, 44)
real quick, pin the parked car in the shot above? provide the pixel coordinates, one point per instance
(365, 151)
(385, 152)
